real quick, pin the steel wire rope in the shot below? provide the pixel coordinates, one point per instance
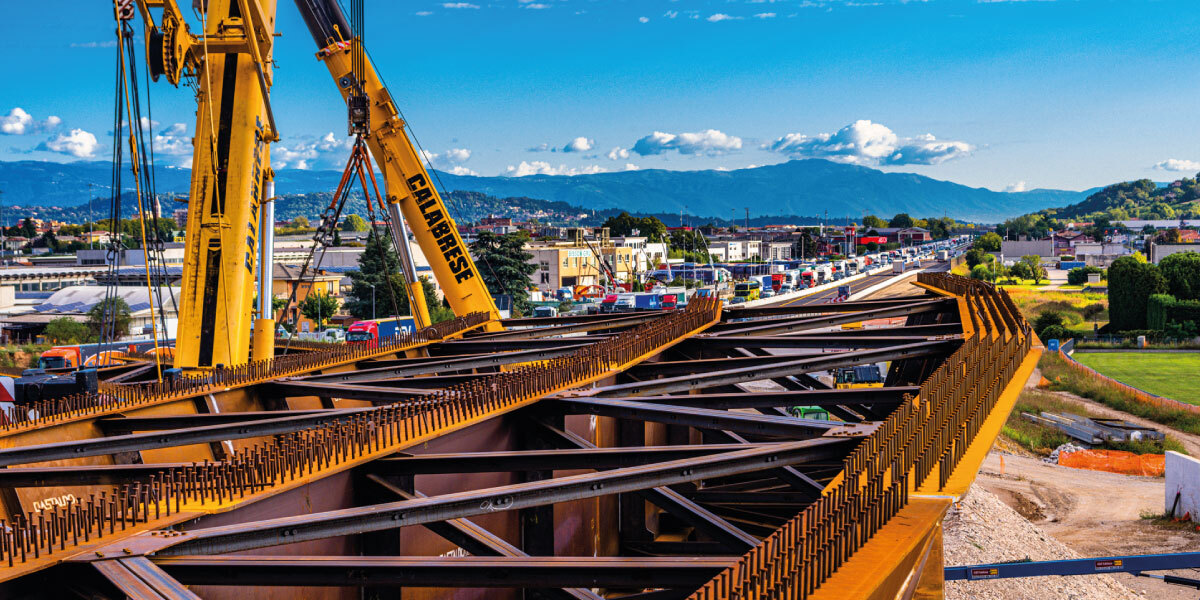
(423, 156)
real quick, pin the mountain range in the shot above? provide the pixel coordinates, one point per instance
(798, 187)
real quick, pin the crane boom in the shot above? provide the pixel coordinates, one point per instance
(409, 189)
(231, 65)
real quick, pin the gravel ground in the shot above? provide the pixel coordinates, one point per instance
(983, 529)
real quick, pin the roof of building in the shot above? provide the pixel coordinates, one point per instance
(78, 299)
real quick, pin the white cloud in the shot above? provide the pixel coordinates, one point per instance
(710, 142)
(671, 14)
(302, 154)
(579, 144)
(867, 143)
(630, 167)
(423, 13)
(19, 122)
(77, 143)
(643, 19)
(537, 6)
(1016, 187)
(174, 141)
(721, 17)
(459, 5)
(765, 15)
(541, 167)
(450, 161)
(1178, 164)
(618, 153)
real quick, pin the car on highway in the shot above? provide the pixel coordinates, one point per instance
(767, 293)
(786, 289)
(737, 300)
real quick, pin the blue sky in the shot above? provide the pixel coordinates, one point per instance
(1001, 94)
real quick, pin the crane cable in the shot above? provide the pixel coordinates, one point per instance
(134, 162)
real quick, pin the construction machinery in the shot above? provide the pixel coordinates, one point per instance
(580, 456)
(411, 192)
(230, 65)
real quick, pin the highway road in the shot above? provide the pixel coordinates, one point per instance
(859, 285)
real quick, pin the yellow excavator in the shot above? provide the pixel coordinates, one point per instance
(230, 65)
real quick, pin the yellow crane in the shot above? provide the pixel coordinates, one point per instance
(409, 189)
(230, 66)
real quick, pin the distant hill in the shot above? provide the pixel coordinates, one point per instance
(1141, 199)
(799, 187)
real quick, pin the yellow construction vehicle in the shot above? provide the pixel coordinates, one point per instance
(858, 377)
(230, 66)
(410, 190)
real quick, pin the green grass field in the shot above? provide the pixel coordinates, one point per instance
(1170, 374)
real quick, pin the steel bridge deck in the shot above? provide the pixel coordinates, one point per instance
(642, 456)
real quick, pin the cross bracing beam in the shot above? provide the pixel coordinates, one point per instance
(468, 572)
(798, 309)
(786, 325)
(609, 324)
(805, 365)
(121, 424)
(702, 418)
(881, 340)
(668, 499)
(141, 579)
(380, 394)
(538, 460)
(443, 365)
(137, 442)
(477, 541)
(826, 397)
(288, 530)
(485, 345)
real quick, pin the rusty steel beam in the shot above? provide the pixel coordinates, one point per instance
(141, 579)
(137, 442)
(823, 397)
(610, 324)
(537, 460)
(684, 383)
(772, 326)
(289, 388)
(481, 346)
(428, 366)
(83, 475)
(668, 368)
(881, 340)
(700, 418)
(664, 497)
(794, 309)
(120, 425)
(468, 572)
(477, 541)
(288, 530)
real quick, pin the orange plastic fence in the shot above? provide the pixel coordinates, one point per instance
(1116, 461)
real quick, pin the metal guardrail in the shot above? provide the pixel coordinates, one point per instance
(343, 440)
(120, 396)
(925, 437)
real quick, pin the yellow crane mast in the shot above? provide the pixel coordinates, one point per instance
(230, 66)
(409, 188)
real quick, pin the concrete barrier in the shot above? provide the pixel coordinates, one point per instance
(1183, 479)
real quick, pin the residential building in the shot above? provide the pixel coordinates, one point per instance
(778, 251)
(564, 264)
(286, 278)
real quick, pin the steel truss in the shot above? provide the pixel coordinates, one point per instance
(646, 481)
